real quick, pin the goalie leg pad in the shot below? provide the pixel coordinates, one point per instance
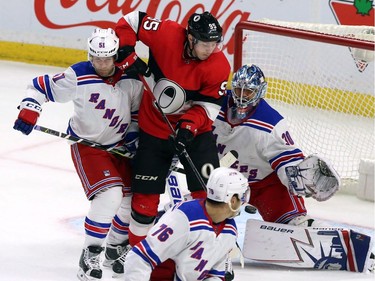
(295, 246)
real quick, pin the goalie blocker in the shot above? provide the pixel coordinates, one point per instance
(318, 248)
(314, 177)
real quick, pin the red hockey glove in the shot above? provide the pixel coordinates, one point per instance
(30, 110)
(128, 61)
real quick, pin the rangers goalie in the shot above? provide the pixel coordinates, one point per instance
(280, 177)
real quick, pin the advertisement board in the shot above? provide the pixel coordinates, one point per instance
(67, 23)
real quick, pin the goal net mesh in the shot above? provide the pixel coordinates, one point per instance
(325, 91)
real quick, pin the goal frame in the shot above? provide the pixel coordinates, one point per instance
(247, 38)
(291, 32)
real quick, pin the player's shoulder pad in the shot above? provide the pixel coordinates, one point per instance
(267, 114)
(83, 68)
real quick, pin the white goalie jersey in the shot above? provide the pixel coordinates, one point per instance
(263, 143)
(101, 106)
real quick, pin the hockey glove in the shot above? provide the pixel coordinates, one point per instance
(30, 110)
(131, 141)
(314, 177)
(184, 136)
(182, 140)
(128, 61)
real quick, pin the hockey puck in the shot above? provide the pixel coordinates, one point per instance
(250, 209)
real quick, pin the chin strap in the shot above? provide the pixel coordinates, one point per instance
(188, 53)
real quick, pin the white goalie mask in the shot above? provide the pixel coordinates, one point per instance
(248, 87)
(224, 182)
(103, 43)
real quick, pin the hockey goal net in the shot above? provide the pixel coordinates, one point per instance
(321, 78)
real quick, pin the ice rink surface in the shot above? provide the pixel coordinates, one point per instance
(42, 204)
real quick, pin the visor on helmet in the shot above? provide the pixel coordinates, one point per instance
(211, 46)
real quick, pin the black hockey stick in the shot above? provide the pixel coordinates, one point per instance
(174, 191)
(116, 151)
(174, 134)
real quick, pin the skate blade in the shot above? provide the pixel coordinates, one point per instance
(83, 277)
(117, 275)
(108, 263)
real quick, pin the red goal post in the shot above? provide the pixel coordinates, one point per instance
(321, 78)
(291, 32)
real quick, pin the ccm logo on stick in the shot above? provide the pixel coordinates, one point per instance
(276, 228)
(146, 178)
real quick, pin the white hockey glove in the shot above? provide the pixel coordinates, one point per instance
(314, 177)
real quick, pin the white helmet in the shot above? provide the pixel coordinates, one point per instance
(224, 182)
(103, 43)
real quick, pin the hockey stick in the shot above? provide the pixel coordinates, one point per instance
(116, 151)
(174, 134)
(174, 191)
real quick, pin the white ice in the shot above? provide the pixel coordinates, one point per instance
(42, 204)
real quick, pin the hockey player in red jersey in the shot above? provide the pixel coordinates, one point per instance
(190, 72)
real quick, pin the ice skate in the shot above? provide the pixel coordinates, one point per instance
(229, 273)
(89, 264)
(113, 252)
(118, 265)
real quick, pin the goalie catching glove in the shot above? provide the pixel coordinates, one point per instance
(314, 177)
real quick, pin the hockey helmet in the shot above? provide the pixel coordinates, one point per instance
(248, 77)
(248, 87)
(103, 43)
(204, 27)
(224, 182)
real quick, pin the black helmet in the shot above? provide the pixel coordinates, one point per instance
(204, 27)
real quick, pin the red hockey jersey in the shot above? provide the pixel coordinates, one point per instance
(202, 82)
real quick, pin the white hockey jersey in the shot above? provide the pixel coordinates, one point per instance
(186, 235)
(101, 108)
(263, 143)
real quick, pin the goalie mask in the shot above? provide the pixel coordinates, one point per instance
(223, 183)
(103, 43)
(248, 87)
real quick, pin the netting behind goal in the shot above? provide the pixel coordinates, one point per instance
(321, 78)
